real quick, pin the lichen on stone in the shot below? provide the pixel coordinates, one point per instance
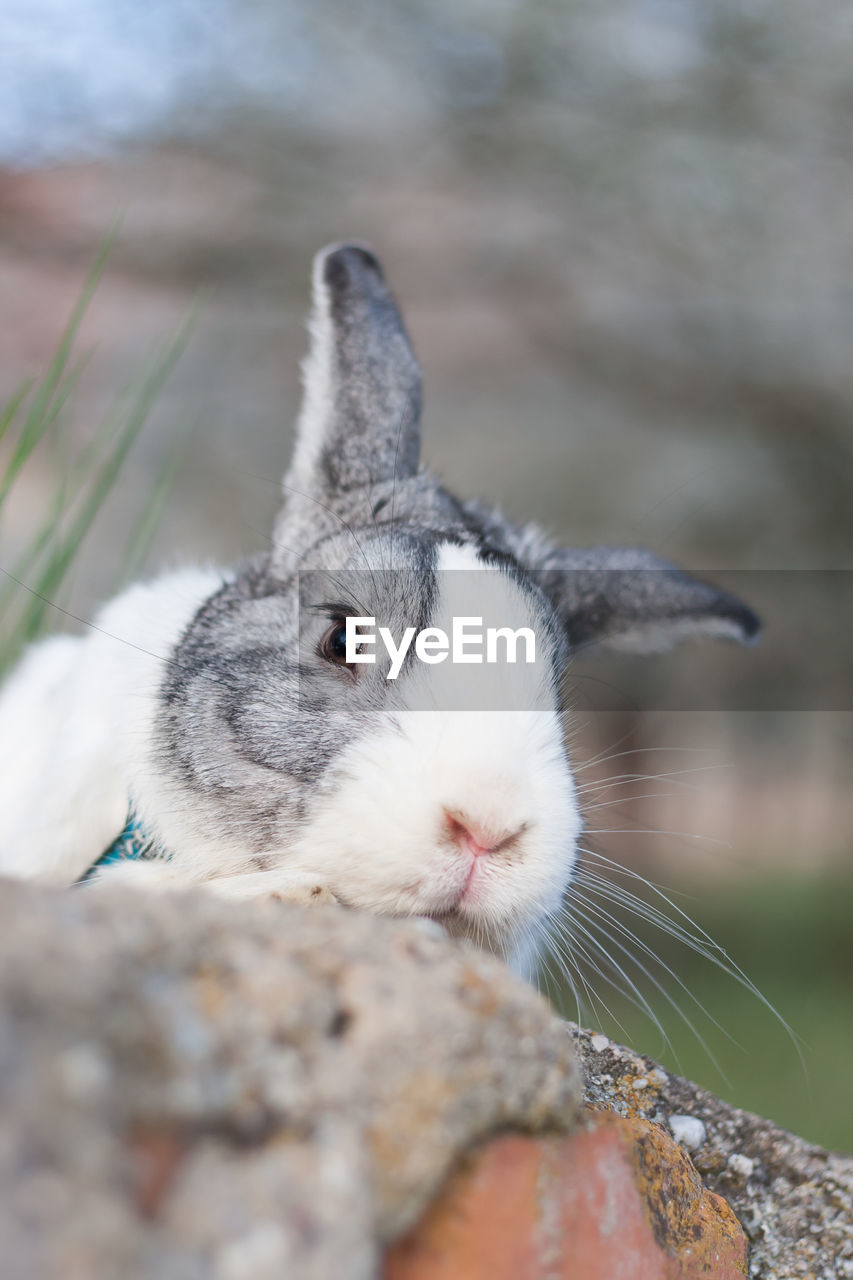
(794, 1200)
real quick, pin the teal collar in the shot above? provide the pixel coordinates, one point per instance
(133, 845)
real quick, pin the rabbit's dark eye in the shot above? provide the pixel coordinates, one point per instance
(333, 646)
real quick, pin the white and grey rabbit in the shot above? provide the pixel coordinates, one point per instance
(219, 711)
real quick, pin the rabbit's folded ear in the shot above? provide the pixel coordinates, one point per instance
(623, 598)
(360, 419)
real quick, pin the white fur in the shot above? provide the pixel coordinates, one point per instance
(380, 841)
(75, 722)
(317, 381)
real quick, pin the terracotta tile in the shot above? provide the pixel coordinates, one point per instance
(618, 1200)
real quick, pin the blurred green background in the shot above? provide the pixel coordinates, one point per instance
(622, 233)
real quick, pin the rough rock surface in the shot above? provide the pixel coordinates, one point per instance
(192, 1089)
(199, 1090)
(794, 1200)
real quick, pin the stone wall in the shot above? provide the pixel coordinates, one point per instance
(192, 1089)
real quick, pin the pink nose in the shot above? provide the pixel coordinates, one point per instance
(479, 837)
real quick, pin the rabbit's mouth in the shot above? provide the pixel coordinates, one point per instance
(476, 926)
(466, 909)
(464, 897)
(463, 901)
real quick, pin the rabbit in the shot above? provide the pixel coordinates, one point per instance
(228, 714)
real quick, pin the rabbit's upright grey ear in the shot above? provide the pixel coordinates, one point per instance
(624, 598)
(360, 419)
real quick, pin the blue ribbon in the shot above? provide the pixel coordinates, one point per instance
(133, 845)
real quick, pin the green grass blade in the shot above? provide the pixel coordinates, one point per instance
(10, 411)
(70, 488)
(43, 411)
(142, 535)
(140, 404)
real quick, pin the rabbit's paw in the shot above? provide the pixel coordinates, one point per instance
(276, 884)
(307, 895)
